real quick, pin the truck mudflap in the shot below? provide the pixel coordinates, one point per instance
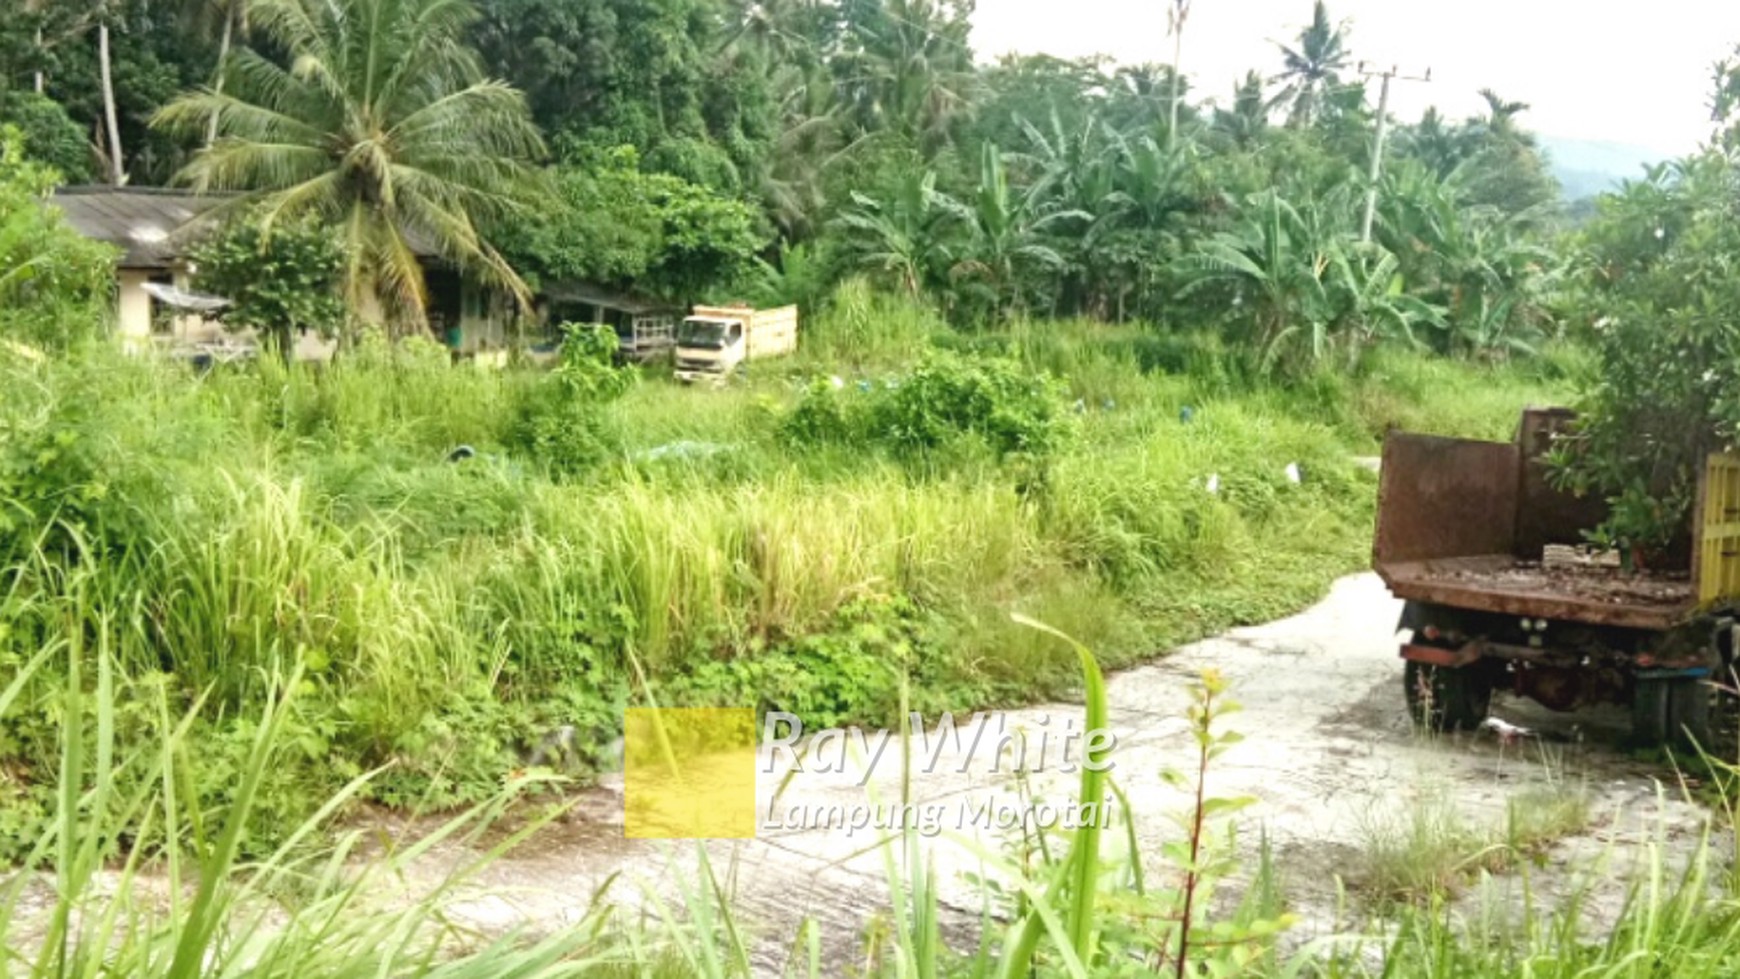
(1440, 656)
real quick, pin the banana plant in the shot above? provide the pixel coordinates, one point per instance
(1005, 256)
(907, 236)
(1366, 284)
(1273, 258)
(1481, 267)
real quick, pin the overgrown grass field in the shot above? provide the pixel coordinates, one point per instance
(237, 603)
(458, 568)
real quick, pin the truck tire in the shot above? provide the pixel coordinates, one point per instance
(1689, 707)
(1671, 711)
(1650, 708)
(1447, 699)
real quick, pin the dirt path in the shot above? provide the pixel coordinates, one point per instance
(1328, 752)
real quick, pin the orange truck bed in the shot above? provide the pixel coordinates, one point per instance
(1465, 523)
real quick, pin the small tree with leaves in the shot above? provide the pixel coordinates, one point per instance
(279, 282)
(55, 284)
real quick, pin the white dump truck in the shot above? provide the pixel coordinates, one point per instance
(715, 341)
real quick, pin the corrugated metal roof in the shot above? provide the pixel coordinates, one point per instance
(151, 225)
(571, 290)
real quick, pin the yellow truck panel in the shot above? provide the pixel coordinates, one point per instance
(1718, 571)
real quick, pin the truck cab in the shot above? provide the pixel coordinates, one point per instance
(715, 341)
(710, 347)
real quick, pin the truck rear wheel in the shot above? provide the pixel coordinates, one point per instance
(1672, 711)
(1442, 698)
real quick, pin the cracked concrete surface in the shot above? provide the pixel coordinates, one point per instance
(1328, 753)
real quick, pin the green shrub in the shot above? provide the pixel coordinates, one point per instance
(279, 281)
(55, 284)
(945, 400)
(559, 421)
(848, 672)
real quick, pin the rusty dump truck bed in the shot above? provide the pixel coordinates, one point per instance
(1504, 583)
(1466, 524)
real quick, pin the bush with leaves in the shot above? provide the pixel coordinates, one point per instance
(55, 283)
(616, 225)
(52, 480)
(50, 135)
(559, 420)
(279, 280)
(1663, 288)
(946, 400)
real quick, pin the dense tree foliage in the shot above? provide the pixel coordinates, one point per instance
(618, 226)
(157, 50)
(645, 73)
(49, 135)
(1662, 299)
(1658, 297)
(703, 146)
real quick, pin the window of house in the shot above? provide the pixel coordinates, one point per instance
(163, 318)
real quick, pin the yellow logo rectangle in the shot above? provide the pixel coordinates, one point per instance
(689, 773)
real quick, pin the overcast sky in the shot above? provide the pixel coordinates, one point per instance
(1636, 73)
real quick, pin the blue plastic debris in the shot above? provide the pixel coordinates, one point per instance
(1186, 413)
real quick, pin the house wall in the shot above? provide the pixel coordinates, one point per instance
(135, 320)
(133, 308)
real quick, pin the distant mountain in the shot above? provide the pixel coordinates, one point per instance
(1587, 167)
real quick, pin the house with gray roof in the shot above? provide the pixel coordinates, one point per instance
(156, 228)
(153, 228)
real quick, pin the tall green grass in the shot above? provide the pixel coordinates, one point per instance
(144, 878)
(448, 614)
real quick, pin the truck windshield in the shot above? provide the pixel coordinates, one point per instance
(703, 333)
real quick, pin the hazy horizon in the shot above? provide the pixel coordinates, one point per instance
(1558, 58)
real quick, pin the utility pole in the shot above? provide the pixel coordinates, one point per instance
(1175, 17)
(1377, 143)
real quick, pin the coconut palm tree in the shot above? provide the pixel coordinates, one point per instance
(908, 70)
(379, 123)
(1176, 15)
(111, 126)
(1440, 145)
(222, 19)
(1244, 123)
(1501, 116)
(1313, 66)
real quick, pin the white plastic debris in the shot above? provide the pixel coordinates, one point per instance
(837, 381)
(1507, 733)
(1292, 471)
(682, 449)
(1213, 484)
